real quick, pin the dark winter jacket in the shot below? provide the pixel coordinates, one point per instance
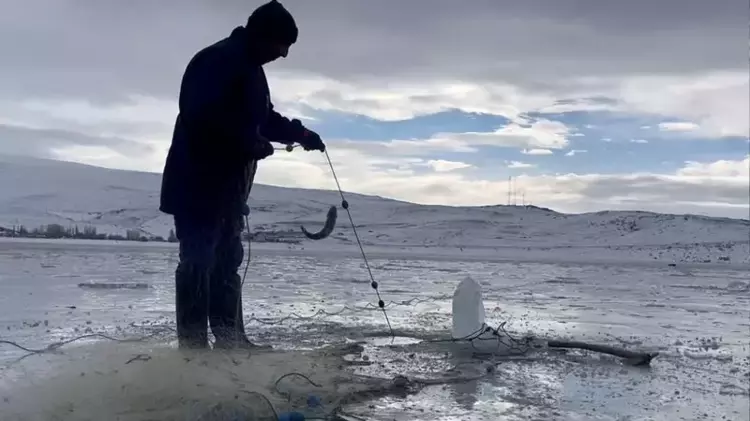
(224, 105)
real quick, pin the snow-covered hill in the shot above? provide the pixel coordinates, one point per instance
(35, 192)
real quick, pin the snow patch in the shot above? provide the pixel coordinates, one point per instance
(38, 192)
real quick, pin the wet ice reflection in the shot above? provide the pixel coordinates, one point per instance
(698, 319)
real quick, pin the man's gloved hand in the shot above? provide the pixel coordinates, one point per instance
(307, 138)
(261, 150)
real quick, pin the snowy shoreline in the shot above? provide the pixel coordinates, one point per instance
(564, 254)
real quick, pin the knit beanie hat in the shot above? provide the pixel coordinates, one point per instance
(272, 22)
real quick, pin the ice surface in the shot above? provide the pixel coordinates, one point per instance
(696, 317)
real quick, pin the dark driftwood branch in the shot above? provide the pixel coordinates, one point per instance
(633, 357)
(402, 386)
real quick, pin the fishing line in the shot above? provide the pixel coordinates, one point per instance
(373, 282)
(344, 204)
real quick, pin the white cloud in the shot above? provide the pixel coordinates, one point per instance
(534, 138)
(403, 99)
(537, 152)
(518, 164)
(141, 117)
(638, 141)
(718, 169)
(678, 126)
(422, 146)
(48, 142)
(440, 165)
(574, 152)
(555, 65)
(539, 134)
(577, 104)
(606, 139)
(717, 102)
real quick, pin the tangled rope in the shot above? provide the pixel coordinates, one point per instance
(55, 346)
(498, 334)
(342, 311)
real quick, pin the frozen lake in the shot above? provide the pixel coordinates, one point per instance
(698, 318)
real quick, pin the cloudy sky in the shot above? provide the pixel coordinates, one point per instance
(587, 104)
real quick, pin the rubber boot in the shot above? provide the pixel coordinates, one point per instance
(191, 305)
(225, 313)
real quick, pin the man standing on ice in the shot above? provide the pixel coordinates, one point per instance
(224, 127)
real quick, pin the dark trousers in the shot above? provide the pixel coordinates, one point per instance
(207, 282)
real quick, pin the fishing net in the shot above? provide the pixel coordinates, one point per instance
(141, 380)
